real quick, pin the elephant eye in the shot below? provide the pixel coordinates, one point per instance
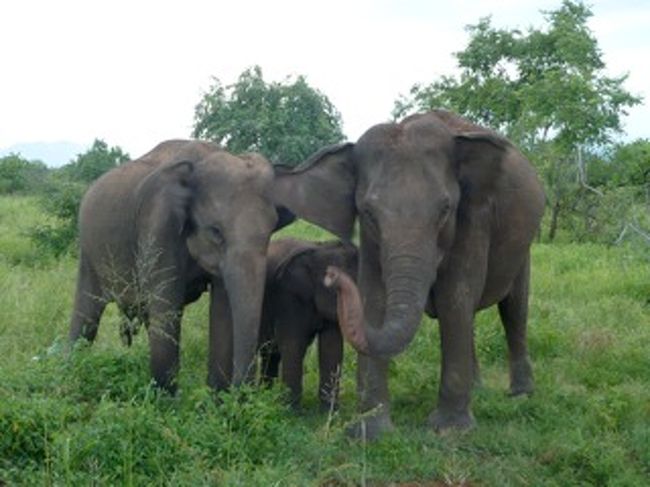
(369, 219)
(445, 211)
(215, 234)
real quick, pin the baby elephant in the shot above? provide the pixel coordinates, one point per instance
(297, 307)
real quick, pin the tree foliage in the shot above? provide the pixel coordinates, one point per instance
(97, 160)
(19, 175)
(63, 192)
(545, 88)
(284, 121)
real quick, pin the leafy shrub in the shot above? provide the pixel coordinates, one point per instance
(63, 194)
(97, 160)
(18, 175)
(61, 201)
(28, 425)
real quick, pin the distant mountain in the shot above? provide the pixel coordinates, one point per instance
(53, 154)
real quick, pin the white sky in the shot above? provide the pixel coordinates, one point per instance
(131, 72)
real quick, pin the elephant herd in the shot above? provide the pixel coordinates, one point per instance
(446, 212)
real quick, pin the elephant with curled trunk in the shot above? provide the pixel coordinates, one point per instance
(447, 212)
(298, 308)
(157, 231)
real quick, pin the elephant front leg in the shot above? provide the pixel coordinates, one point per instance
(372, 372)
(513, 310)
(457, 373)
(330, 358)
(292, 352)
(164, 340)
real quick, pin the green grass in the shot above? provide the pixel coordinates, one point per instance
(93, 418)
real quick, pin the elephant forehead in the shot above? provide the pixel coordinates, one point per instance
(225, 168)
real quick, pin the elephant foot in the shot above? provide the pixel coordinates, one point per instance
(521, 380)
(445, 422)
(370, 428)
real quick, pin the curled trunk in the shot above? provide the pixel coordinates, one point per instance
(405, 300)
(349, 309)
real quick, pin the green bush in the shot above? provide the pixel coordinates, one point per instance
(18, 175)
(63, 193)
(61, 202)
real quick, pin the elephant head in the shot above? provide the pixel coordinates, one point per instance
(410, 185)
(222, 210)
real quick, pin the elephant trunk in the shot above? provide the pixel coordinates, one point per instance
(406, 293)
(407, 289)
(244, 278)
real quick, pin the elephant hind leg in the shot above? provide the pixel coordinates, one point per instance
(513, 310)
(89, 304)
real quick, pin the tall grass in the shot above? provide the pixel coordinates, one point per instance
(93, 417)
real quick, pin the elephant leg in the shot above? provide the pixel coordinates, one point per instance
(164, 312)
(513, 310)
(164, 339)
(372, 372)
(267, 346)
(269, 363)
(476, 368)
(89, 304)
(457, 372)
(292, 351)
(220, 354)
(330, 358)
(294, 334)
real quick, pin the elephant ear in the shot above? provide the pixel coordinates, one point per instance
(169, 188)
(321, 189)
(479, 158)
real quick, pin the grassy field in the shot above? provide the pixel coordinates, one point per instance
(93, 419)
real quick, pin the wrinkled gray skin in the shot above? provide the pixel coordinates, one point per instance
(155, 232)
(298, 308)
(447, 213)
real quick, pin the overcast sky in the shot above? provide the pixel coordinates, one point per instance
(131, 72)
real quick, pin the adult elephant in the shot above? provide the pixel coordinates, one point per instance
(447, 212)
(156, 231)
(297, 308)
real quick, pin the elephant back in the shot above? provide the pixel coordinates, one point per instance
(280, 254)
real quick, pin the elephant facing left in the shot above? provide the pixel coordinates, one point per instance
(157, 231)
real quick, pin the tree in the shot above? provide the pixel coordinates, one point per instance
(19, 175)
(284, 121)
(545, 89)
(64, 191)
(94, 162)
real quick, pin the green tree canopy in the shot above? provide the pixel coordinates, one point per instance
(284, 121)
(64, 191)
(97, 160)
(546, 84)
(19, 175)
(545, 88)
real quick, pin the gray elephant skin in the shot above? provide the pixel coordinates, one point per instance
(447, 213)
(299, 308)
(157, 231)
